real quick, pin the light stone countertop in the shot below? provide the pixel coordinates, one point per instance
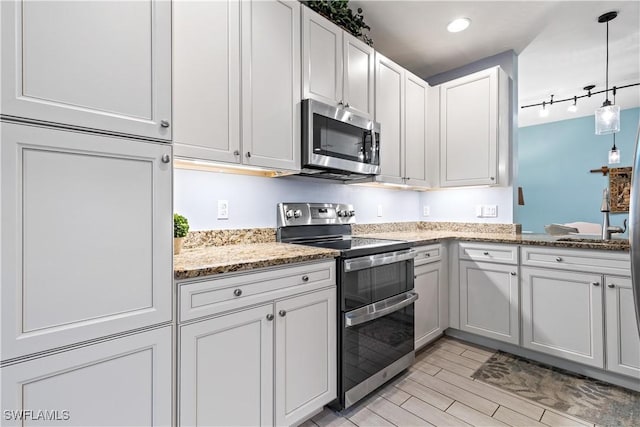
(425, 237)
(210, 260)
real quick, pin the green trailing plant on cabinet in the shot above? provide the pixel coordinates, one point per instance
(339, 12)
(180, 226)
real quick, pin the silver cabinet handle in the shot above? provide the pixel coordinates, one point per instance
(305, 278)
(493, 178)
(558, 259)
(486, 253)
(340, 103)
(361, 263)
(347, 105)
(611, 285)
(237, 292)
(236, 153)
(269, 317)
(513, 273)
(165, 158)
(427, 255)
(248, 153)
(164, 123)
(379, 309)
(282, 313)
(595, 283)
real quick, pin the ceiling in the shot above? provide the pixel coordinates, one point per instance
(560, 45)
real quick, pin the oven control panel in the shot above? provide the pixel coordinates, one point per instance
(315, 213)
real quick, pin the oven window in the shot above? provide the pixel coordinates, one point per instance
(364, 287)
(334, 138)
(372, 346)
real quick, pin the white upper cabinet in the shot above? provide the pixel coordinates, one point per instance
(390, 114)
(94, 64)
(337, 68)
(401, 110)
(415, 147)
(271, 108)
(206, 80)
(86, 237)
(474, 129)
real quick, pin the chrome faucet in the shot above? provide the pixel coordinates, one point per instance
(608, 230)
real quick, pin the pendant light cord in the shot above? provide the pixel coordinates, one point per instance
(607, 71)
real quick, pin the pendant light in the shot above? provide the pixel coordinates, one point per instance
(614, 153)
(608, 116)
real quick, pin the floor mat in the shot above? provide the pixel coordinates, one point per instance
(586, 398)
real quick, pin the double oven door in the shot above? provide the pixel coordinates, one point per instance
(377, 322)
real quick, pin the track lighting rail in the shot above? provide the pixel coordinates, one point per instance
(575, 98)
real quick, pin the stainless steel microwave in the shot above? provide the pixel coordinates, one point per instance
(337, 141)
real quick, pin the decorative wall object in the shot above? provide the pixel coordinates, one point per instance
(620, 189)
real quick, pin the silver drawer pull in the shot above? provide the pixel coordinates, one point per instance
(269, 317)
(164, 123)
(427, 255)
(611, 285)
(513, 273)
(282, 313)
(486, 253)
(305, 278)
(237, 292)
(595, 283)
(558, 259)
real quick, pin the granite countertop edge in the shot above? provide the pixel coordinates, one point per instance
(213, 260)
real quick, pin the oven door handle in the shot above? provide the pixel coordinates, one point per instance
(379, 309)
(361, 263)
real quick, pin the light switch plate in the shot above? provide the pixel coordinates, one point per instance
(223, 209)
(426, 210)
(379, 210)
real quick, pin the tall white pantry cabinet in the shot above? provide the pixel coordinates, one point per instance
(85, 187)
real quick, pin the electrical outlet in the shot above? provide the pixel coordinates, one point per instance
(490, 211)
(379, 210)
(426, 210)
(479, 211)
(223, 209)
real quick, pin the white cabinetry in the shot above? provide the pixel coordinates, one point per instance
(489, 292)
(431, 307)
(121, 382)
(269, 355)
(97, 65)
(623, 340)
(562, 314)
(337, 68)
(237, 82)
(401, 110)
(474, 129)
(72, 268)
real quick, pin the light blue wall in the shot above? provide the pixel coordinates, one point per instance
(554, 160)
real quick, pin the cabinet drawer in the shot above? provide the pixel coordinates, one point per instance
(505, 254)
(229, 292)
(582, 260)
(427, 254)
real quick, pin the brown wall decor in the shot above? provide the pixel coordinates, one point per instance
(620, 189)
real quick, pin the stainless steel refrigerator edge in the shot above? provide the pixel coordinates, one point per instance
(634, 230)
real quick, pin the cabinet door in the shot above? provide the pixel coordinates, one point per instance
(93, 64)
(431, 306)
(306, 339)
(321, 58)
(562, 314)
(415, 147)
(469, 130)
(271, 113)
(226, 370)
(623, 340)
(121, 382)
(86, 237)
(390, 115)
(489, 300)
(206, 80)
(358, 75)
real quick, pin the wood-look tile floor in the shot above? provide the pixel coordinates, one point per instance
(438, 390)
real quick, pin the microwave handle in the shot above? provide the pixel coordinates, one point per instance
(374, 146)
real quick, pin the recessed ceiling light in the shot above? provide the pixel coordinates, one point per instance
(458, 25)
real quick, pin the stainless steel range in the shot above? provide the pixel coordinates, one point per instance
(375, 295)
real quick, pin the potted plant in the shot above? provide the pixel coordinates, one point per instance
(180, 230)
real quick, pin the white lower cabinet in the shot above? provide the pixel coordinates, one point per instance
(489, 299)
(431, 307)
(562, 314)
(271, 363)
(121, 382)
(623, 340)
